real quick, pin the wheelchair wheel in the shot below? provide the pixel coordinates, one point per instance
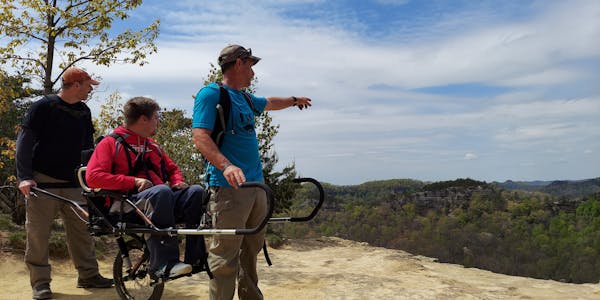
(136, 285)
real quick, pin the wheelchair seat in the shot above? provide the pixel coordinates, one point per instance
(105, 213)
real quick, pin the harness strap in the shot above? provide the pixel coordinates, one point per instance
(140, 162)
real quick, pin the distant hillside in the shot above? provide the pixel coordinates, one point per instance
(558, 188)
(573, 189)
(472, 223)
(532, 186)
(372, 191)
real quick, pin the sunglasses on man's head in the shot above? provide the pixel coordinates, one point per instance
(245, 53)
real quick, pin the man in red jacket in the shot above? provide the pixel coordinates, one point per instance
(128, 160)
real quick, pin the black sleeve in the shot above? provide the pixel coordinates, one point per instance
(24, 155)
(31, 125)
(89, 141)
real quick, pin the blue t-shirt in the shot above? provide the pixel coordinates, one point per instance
(240, 144)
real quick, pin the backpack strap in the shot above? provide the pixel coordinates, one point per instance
(250, 102)
(163, 164)
(140, 163)
(224, 114)
(120, 140)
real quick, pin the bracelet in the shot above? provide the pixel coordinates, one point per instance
(227, 165)
(295, 101)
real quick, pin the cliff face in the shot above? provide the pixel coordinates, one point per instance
(459, 197)
(329, 268)
(448, 199)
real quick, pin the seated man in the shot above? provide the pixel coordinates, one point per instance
(128, 160)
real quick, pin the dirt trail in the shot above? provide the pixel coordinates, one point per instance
(327, 268)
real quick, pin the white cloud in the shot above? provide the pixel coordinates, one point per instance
(470, 156)
(408, 131)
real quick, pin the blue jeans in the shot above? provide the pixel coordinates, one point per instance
(165, 208)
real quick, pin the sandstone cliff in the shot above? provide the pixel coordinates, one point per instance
(329, 268)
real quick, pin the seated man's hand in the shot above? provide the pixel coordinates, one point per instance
(180, 186)
(142, 184)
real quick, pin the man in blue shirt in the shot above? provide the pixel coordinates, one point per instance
(236, 161)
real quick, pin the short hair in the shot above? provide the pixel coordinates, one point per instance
(139, 106)
(227, 66)
(66, 85)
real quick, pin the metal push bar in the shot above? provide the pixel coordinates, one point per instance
(152, 229)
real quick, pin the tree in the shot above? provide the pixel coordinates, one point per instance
(38, 31)
(175, 137)
(13, 105)
(110, 116)
(282, 182)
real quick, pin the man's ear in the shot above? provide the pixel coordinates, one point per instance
(239, 62)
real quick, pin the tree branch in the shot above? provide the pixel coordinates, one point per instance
(37, 61)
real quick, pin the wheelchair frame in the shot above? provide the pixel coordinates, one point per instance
(131, 273)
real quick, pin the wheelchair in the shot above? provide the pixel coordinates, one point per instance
(129, 225)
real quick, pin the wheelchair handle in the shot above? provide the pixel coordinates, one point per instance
(73, 204)
(314, 211)
(242, 231)
(81, 178)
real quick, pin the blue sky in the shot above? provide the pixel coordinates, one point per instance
(429, 90)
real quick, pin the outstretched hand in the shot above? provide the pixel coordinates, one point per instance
(302, 102)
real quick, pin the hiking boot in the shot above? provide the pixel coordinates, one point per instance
(178, 269)
(95, 282)
(42, 291)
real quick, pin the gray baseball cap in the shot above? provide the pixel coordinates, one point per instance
(233, 52)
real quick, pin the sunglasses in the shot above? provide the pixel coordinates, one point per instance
(245, 53)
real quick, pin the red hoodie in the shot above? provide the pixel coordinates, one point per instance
(104, 162)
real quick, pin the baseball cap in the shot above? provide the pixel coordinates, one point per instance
(77, 75)
(233, 52)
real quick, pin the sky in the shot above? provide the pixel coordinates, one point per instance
(428, 90)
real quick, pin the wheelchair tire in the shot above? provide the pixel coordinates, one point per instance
(139, 286)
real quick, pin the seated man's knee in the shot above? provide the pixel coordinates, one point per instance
(194, 204)
(162, 189)
(196, 191)
(160, 196)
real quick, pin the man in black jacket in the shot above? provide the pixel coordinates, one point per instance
(54, 132)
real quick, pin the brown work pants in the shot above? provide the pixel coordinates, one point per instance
(232, 256)
(40, 212)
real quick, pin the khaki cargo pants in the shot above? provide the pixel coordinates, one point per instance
(232, 256)
(40, 212)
